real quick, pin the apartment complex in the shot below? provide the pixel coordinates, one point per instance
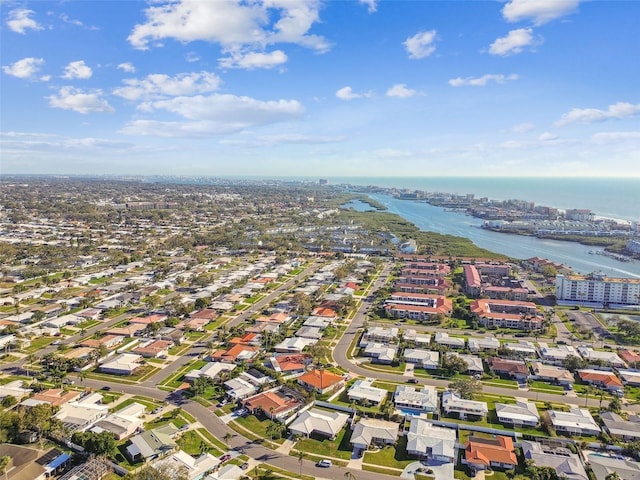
(596, 289)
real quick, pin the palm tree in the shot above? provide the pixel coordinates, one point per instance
(301, 455)
(613, 476)
(227, 436)
(349, 476)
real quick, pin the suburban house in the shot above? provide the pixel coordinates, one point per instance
(516, 369)
(550, 373)
(290, 364)
(246, 384)
(151, 444)
(414, 338)
(602, 379)
(443, 338)
(371, 431)
(380, 352)
(379, 335)
(363, 391)
(630, 356)
(294, 344)
(611, 359)
(122, 423)
(317, 421)
(409, 398)
(498, 452)
(14, 389)
(425, 440)
(556, 457)
(236, 353)
(123, 364)
(276, 404)
(452, 403)
(28, 463)
(154, 349)
(618, 427)
(427, 359)
(210, 369)
(629, 377)
(474, 364)
(486, 343)
(518, 414)
(195, 468)
(52, 396)
(577, 421)
(108, 341)
(321, 381)
(556, 355)
(603, 466)
(80, 414)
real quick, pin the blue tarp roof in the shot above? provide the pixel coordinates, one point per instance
(59, 460)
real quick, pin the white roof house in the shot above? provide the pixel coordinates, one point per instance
(552, 373)
(443, 338)
(79, 415)
(426, 440)
(14, 389)
(520, 413)
(409, 398)
(629, 377)
(363, 390)
(370, 431)
(474, 364)
(425, 358)
(309, 332)
(561, 459)
(123, 364)
(380, 352)
(576, 421)
(523, 347)
(379, 335)
(485, 343)
(195, 467)
(239, 388)
(452, 403)
(211, 370)
(122, 423)
(294, 344)
(418, 338)
(324, 422)
(556, 354)
(610, 358)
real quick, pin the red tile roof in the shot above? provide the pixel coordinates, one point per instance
(483, 451)
(320, 379)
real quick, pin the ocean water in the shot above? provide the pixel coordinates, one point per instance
(436, 219)
(607, 197)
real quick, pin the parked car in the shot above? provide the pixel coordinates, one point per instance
(244, 466)
(106, 388)
(225, 457)
(324, 463)
(412, 380)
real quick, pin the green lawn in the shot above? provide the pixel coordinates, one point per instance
(192, 443)
(39, 343)
(390, 456)
(256, 426)
(322, 446)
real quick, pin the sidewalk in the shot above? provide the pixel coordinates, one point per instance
(286, 447)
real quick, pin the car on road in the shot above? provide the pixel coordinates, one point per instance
(225, 457)
(412, 380)
(324, 463)
(106, 388)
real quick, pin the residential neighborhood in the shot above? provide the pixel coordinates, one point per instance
(206, 356)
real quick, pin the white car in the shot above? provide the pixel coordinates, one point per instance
(324, 463)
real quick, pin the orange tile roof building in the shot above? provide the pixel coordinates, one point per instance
(275, 404)
(498, 452)
(607, 380)
(507, 313)
(321, 380)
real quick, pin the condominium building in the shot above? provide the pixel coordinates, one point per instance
(596, 289)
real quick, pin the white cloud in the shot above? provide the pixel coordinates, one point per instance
(25, 68)
(158, 84)
(127, 67)
(514, 42)
(606, 137)
(481, 81)
(20, 21)
(392, 153)
(282, 139)
(66, 19)
(372, 5)
(540, 11)
(347, 93)
(547, 136)
(400, 90)
(191, 57)
(253, 60)
(421, 45)
(77, 70)
(231, 112)
(523, 127)
(232, 24)
(70, 98)
(590, 115)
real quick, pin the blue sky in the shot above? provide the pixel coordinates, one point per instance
(313, 88)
